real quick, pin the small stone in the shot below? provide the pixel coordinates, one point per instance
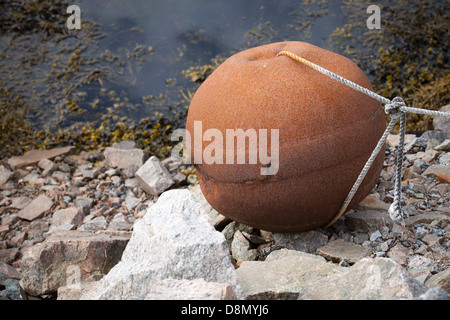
(34, 156)
(8, 256)
(98, 223)
(421, 232)
(393, 139)
(441, 279)
(19, 238)
(20, 202)
(360, 238)
(72, 216)
(13, 291)
(421, 275)
(372, 203)
(445, 159)
(124, 145)
(153, 177)
(120, 223)
(427, 217)
(60, 176)
(434, 294)
(45, 266)
(307, 242)
(444, 146)
(439, 172)
(240, 248)
(84, 204)
(5, 175)
(64, 167)
(47, 166)
(196, 289)
(339, 250)
(36, 208)
(367, 221)
(218, 221)
(179, 178)
(434, 134)
(8, 272)
(124, 158)
(375, 235)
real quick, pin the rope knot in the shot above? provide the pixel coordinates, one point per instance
(395, 106)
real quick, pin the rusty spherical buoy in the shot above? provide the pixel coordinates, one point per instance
(312, 135)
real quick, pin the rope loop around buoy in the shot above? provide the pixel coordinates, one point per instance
(397, 110)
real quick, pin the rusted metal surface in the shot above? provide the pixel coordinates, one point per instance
(327, 131)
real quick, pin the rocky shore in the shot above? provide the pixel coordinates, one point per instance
(118, 224)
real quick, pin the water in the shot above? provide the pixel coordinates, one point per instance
(141, 57)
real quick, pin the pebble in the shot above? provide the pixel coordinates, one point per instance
(111, 200)
(375, 235)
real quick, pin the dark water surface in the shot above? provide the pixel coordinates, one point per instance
(142, 57)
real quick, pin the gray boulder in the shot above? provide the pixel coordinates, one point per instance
(175, 239)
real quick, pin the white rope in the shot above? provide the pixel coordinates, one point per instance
(397, 110)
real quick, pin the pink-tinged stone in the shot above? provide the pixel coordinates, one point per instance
(439, 172)
(71, 215)
(36, 208)
(327, 131)
(34, 156)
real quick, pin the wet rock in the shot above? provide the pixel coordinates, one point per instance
(339, 250)
(36, 208)
(367, 221)
(45, 266)
(34, 156)
(153, 177)
(175, 239)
